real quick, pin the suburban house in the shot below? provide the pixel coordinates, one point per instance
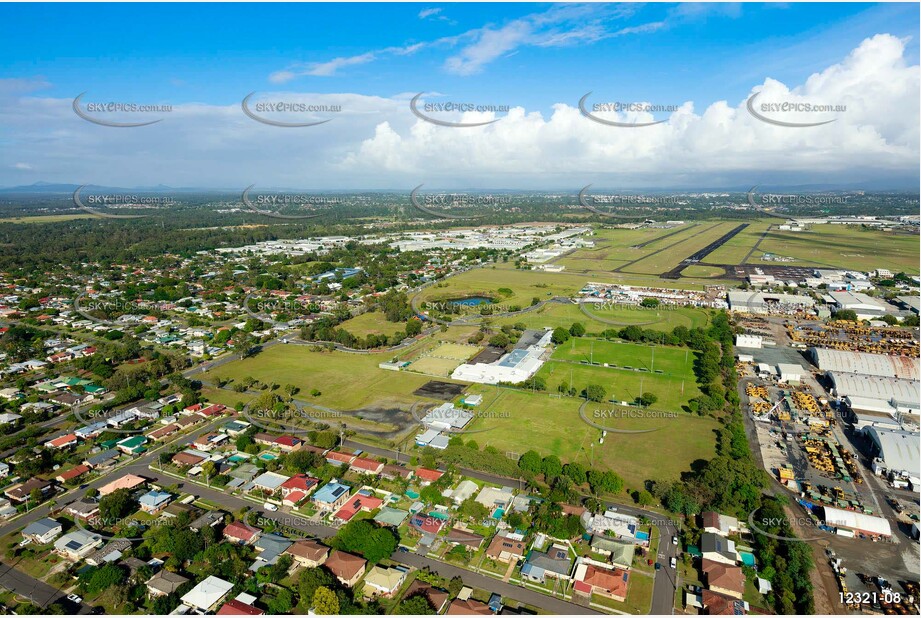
(77, 545)
(593, 579)
(363, 465)
(719, 524)
(337, 458)
(297, 488)
(43, 531)
(469, 607)
(457, 536)
(308, 553)
(391, 471)
(389, 516)
(506, 547)
(264, 439)
(23, 491)
(465, 489)
(83, 509)
(621, 552)
(427, 476)
(347, 568)
(155, 501)
(436, 598)
(288, 443)
(269, 482)
(555, 563)
(102, 460)
(208, 594)
(332, 496)
(186, 458)
(361, 501)
(110, 552)
(718, 549)
(133, 445)
(164, 583)
(383, 581)
(163, 432)
(237, 532)
(715, 604)
(129, 481)
(69, 475)
(62, 442)
(724, 578)
(236, 607)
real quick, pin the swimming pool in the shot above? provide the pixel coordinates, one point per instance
(643, 536)
(498, 513)
(237, 458)
(267, 456)
(748, 559)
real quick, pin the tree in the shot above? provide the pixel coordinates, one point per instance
(649, 303)
(311, 580)
(647, 399)
(416, 605)
(575, 471)
(208, 469)
(282, 602)
(846, 314)
(577, 329)
(473, 510)
(364, 537)
(530, 461)
(595, 392)
(560, 335)
(325, 602)
(499, 340)
(551, 466)
(116, 506)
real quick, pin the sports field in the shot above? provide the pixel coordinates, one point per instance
(611, 316)
(519, 420)
(671, 360)
(843, 246)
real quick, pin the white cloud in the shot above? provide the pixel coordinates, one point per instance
(22, 166)
(376, 142)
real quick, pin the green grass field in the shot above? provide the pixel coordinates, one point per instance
(676, 251)
(524, 284)
(654, 319)
(48, 218)
(371, 323)
(843, 246)
(672, 360)
(518, 420)
(346, 381)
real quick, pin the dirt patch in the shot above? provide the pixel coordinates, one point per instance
(445, 391)
(490, 355)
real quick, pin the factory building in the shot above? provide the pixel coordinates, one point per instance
(842, 361)
(857, 523)
(866, 307)
(767, 302)
(898, 449)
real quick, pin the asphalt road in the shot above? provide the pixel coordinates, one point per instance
(36, 591)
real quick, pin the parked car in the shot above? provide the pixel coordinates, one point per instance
(674, 562)
(674, 540)
(269, 506)
(658, 566)
(75, 598)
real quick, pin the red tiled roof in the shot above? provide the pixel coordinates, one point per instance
(63, 440)
(367, 464)
(428, 475)
(73, 472)
(287, 441)
(236, 530)
(612, 581)
(470, 607)
(344, 565)
(300, 482)
(238, 608)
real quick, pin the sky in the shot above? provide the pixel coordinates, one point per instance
(526, 66)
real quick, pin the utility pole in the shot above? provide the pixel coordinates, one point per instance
(652, 364)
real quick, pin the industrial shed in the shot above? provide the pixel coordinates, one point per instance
(885, 389)
(857, 522)
(900, 450)
(843, 361)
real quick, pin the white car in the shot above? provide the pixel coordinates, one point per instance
(75, 598)
(674, 562)
(674, 540)
(269, 506)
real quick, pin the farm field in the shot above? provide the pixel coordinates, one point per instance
(843, 246)
(47, 218)
(517, 420)
(371, 323)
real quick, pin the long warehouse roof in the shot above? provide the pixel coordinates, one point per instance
(875, 387)
(866, 363)
(853, 520)
(901, 450)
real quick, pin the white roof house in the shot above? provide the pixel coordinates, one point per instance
(270, 481)
(207, 594)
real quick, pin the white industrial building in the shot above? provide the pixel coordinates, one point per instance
(514, 367)
(857, 522)
(446, 416)
(876, 399)
(788, 372)
(766, 302)
(749, 341)
(843, 361)
(898, 449)
(866, 307)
